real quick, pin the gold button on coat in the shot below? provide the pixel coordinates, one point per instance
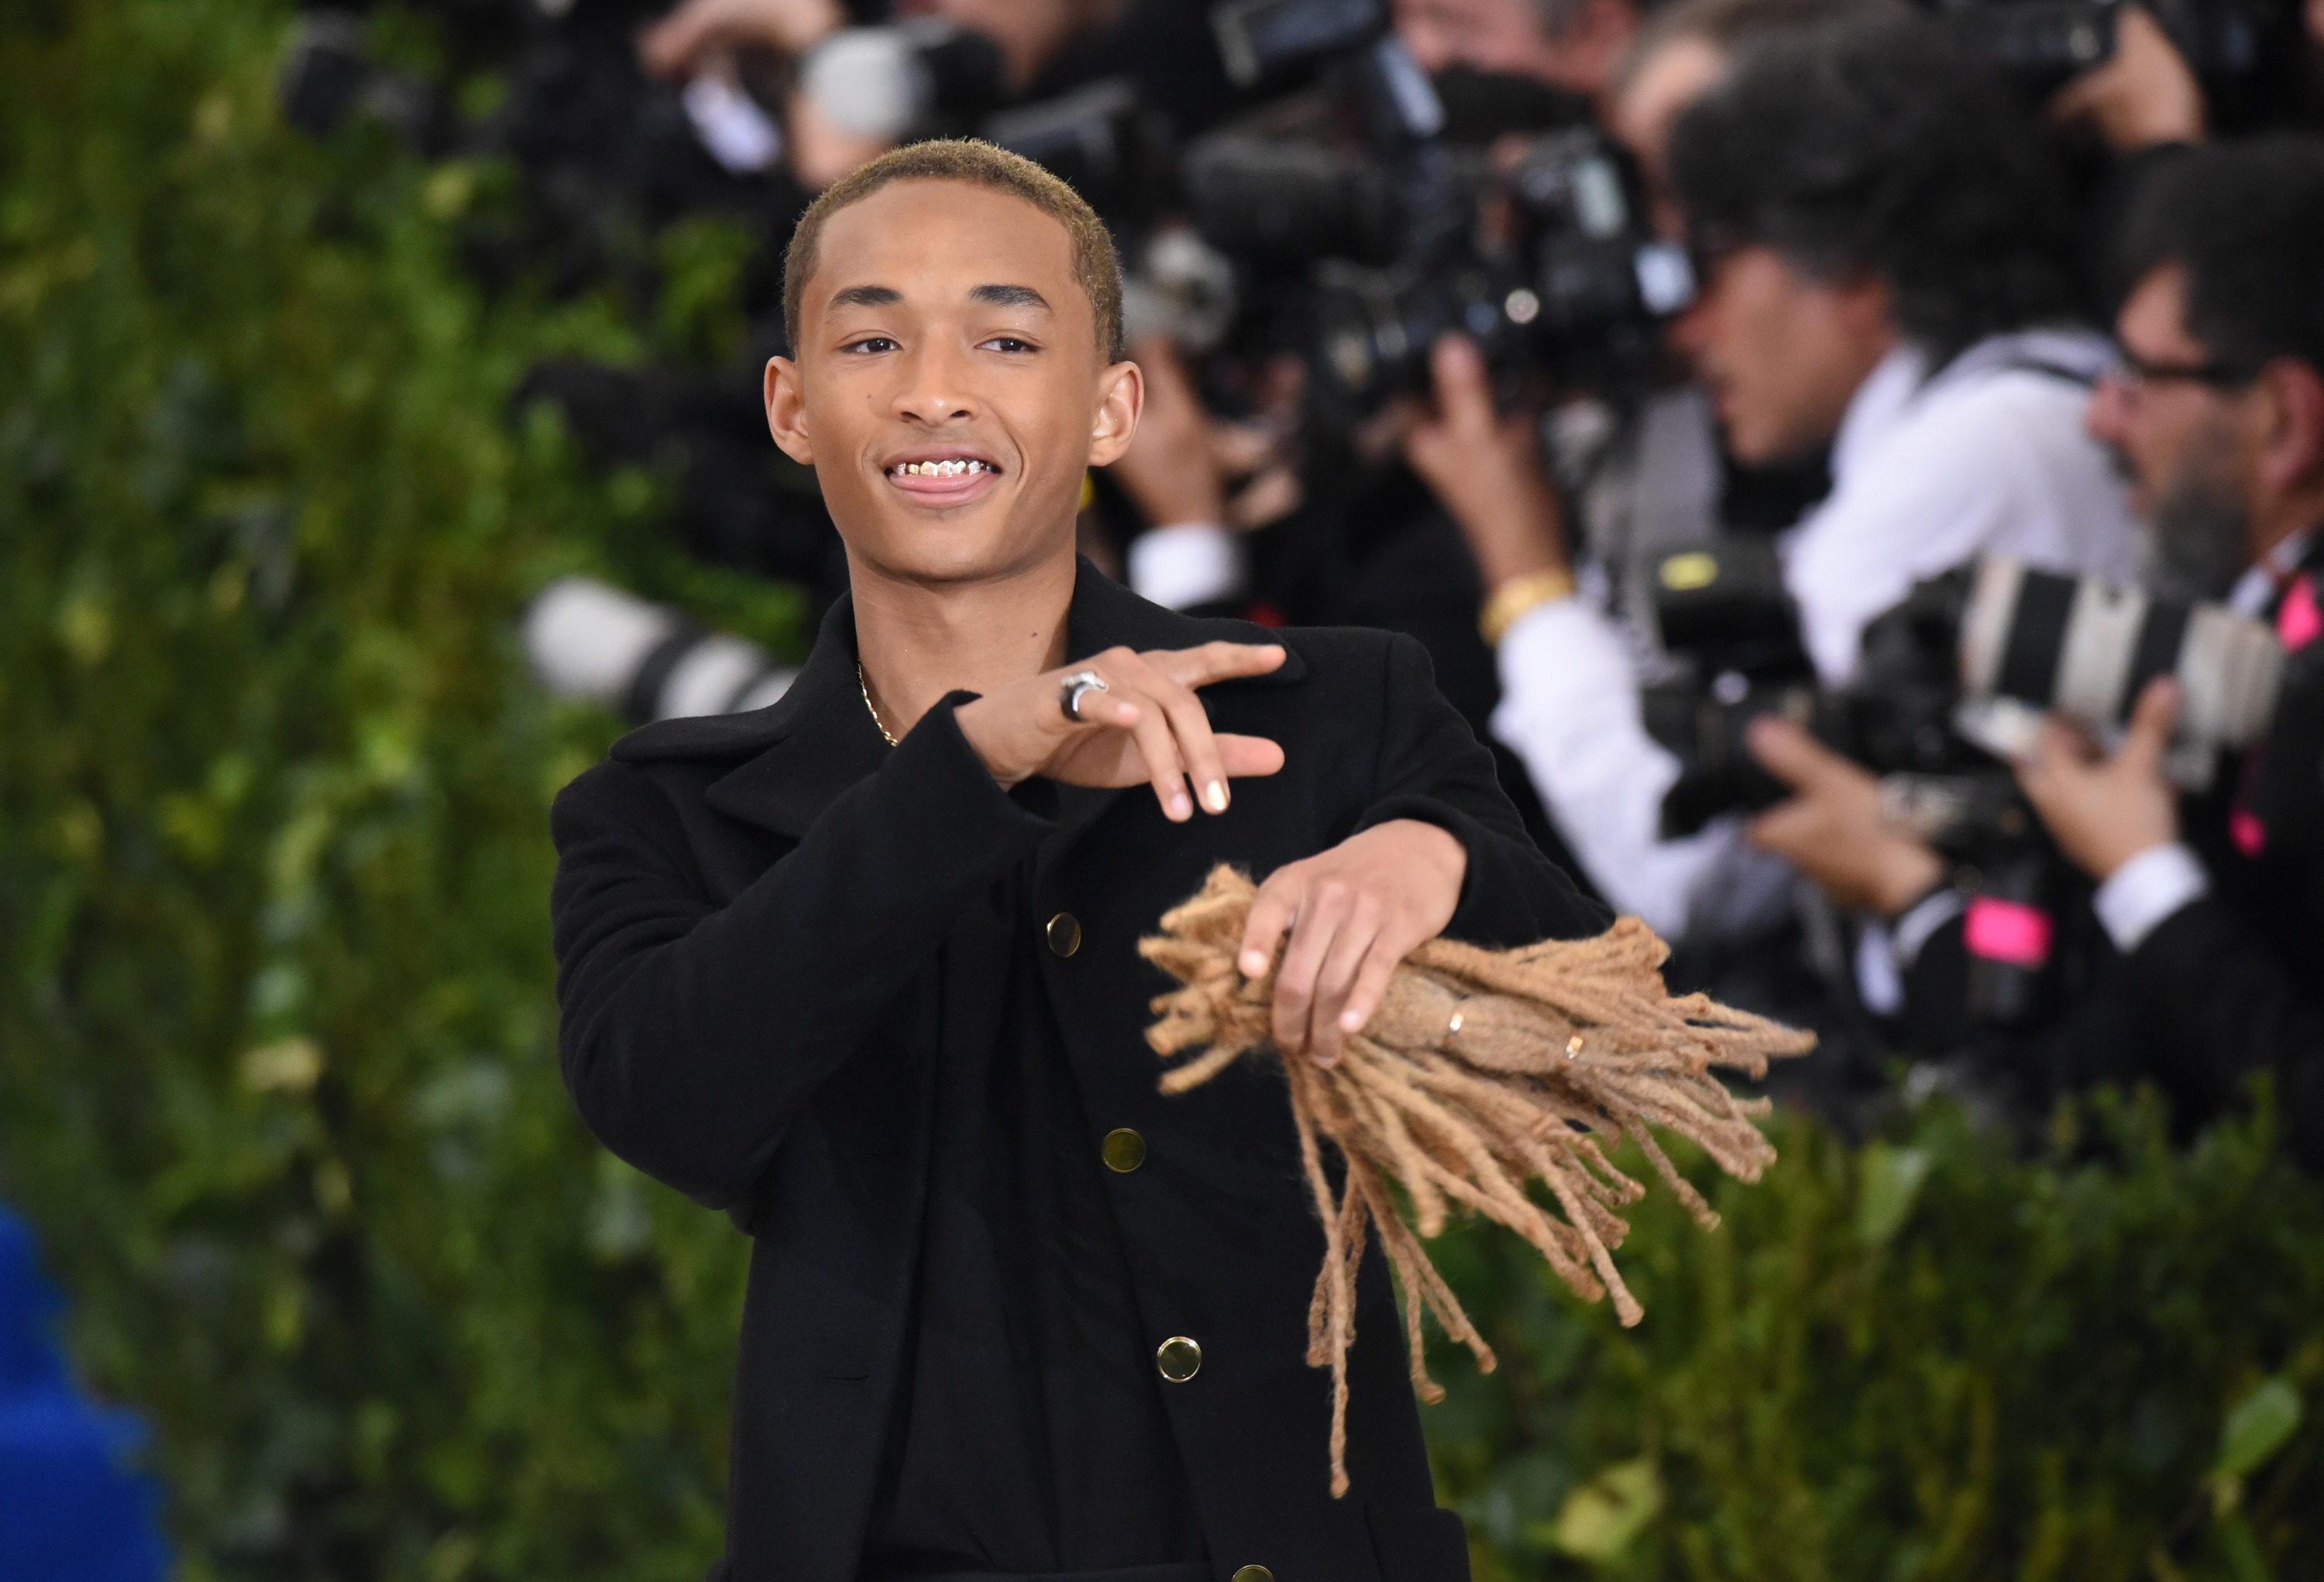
(1064, 933)
(1253, 1574)
(1124, 1150)
(1179, 1358)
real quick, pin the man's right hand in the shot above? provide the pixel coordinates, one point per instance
(1147, 725)
(1483, 465)
(1834, 829)
(674, 45)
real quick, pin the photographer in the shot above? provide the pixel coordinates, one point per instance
(2215, 901)
(1874, 227)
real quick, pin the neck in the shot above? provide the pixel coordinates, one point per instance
(919, 641)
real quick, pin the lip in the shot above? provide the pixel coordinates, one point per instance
(941, 493)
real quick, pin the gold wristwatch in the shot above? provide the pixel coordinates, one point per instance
(1521, 596)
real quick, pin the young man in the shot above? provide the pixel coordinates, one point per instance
(862, 967)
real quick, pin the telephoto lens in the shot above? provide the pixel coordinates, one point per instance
(2087, 649)
(591, 641)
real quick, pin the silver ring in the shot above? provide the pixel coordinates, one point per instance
(1072, 688)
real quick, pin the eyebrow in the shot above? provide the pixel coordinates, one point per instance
(1011, 297)
(866, 297)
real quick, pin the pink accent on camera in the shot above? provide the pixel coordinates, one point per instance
(2009, 931)
(2298, 621)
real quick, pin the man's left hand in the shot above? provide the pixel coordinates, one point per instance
(1353, 914)
(2103, 811)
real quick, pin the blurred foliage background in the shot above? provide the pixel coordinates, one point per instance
(277, 1076)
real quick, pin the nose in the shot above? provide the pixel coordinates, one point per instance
(2106, 419)
(933, 386)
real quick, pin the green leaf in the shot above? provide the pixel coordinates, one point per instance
(1891, 1182)
(1601, 1517)
(2256, 1428)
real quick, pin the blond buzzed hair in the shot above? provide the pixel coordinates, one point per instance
(975, 164)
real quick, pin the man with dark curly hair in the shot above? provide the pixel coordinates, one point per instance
(1883, 276)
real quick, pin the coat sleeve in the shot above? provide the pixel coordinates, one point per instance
(693, 1032)
(1433, 768)
(2224, 1008)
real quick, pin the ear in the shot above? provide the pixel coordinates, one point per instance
(1120, 397)
(787, 411)
(1869, 302)
(2292, 438)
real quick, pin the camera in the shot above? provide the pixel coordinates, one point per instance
(917, 78)
(1378, 235)
(2041, 43)
(1958, 674)
(589, 640)
(1952, 683)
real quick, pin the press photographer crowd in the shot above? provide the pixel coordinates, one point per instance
(1859, 467)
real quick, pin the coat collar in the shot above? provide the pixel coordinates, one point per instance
(795, 756)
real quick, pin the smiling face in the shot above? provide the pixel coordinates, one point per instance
(948, 387)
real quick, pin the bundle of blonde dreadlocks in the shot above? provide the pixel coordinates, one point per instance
(1481, 1071)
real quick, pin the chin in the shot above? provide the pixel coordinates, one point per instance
(933, 550)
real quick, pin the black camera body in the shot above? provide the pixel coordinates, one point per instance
(1379, 235)
(1733, 631)
(2041, 43)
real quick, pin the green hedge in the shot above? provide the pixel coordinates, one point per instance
(1923, 1359)
(276, 1037)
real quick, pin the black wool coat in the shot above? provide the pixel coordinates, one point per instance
(750, 916)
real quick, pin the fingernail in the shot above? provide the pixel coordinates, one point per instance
(1326, 1061)
(1215, 795)
(1352, 1022)
(1254, 965)
(1180, 808)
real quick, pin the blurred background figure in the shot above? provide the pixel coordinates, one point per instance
(70, 1505)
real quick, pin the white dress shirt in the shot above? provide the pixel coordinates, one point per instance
(1927, 472)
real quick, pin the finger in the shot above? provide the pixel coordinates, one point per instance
(1793, 756)
(1337, 979)
(1158, 744)
(669, 45)
(1321, 917)
(1268, 498)
(1198, 748)
(1380, 963)
(1214, 662)
(1463, 395)
(2149, 737)
(1246, 758)
(1271, 911)
(1780, 828)
(1174, 739)
(2057, 752)
(1238, 448)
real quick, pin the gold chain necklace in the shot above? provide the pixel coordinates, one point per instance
(878, 724)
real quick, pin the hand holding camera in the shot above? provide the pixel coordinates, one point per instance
(2103, 811)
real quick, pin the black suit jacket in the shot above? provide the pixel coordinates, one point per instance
(750, 912)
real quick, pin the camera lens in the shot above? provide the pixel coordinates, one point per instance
(2088, 649)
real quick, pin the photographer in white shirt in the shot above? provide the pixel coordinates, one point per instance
(1881, 261)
